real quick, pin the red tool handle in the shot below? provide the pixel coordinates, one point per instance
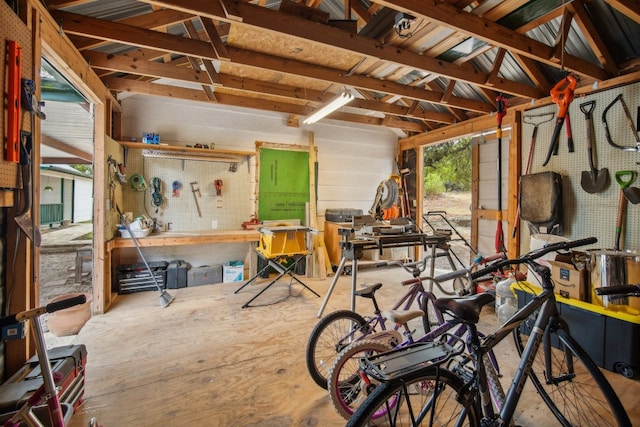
(569, 133)
(12, 151)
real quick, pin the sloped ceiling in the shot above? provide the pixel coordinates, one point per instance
(444, 62)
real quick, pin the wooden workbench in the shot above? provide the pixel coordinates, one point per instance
(170, 238)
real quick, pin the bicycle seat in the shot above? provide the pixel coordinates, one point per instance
(466, 308)
(368, 291)
(402, 316)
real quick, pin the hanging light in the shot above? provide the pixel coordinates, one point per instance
(336, 103)
(48, 187)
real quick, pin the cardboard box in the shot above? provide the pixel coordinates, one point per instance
(569, 282)
(204, 275)
(232, 271)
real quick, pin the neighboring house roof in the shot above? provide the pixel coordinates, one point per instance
(57, 170)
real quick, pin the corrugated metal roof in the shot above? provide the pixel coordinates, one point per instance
(428, 38)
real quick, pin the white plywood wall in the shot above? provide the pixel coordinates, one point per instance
(352, 160)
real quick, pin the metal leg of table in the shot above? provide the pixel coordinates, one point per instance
(278, 267)
(333, 284)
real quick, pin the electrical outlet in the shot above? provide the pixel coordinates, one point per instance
(214, 224)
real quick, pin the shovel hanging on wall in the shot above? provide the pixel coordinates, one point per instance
(593, 180)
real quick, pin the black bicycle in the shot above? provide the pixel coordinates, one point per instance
(432, 384)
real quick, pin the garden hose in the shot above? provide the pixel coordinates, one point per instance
(156, 195)
(137, 182)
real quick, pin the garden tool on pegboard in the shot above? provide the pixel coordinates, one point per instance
(632, 126)
(593, 180)
(196, 193)
(562, 95)
(627, 193)
(156, 193)
(218, 185)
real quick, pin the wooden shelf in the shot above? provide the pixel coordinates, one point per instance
(187, 153)
(185, 238)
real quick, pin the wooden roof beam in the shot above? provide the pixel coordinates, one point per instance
(493, 33)
(58, 145)
(629, 8)
(128, 63)
(78, 24)
(263, 18)
(136, 86)
(592, 36)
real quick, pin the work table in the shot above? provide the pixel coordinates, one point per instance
(178, 238)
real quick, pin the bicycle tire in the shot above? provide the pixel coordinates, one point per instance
(587, 399)
(432, 316)
(325, 342)
(409, 402)
(346, 389)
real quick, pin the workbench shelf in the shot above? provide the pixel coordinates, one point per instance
(187, 153)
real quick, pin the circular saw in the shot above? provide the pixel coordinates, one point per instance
(386, 196)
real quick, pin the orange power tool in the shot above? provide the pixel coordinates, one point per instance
(562, 95)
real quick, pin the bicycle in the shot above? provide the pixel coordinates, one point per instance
(347, 389)
(340, 328)
(33, 412)
(425, 385)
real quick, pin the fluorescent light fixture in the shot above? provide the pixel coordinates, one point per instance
(338, 102)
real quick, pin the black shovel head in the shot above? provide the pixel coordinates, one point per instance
(595, 180)
(632, 194)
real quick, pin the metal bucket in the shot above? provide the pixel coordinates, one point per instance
(612, 268)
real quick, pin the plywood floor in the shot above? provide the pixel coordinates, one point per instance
(205, 361)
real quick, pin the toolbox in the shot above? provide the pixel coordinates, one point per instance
(611, 338)
(177, 274)
(205, 275)
(136, 278)
(69, 361)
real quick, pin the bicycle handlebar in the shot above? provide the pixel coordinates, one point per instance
(49, 308)
(529, 257)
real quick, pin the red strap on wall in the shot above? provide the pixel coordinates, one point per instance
(12, 149)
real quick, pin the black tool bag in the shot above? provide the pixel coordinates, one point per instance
(541, 202)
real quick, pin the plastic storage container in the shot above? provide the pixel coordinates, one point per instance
(611, 338)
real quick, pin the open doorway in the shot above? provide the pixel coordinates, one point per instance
(65, 198)
(447, 189)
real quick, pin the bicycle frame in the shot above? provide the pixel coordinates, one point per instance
(546, 302)
(47, 391)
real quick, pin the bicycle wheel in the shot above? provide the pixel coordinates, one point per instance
(432, 316)
(428, 398)
(346, 389)
(577, 392)
(330, 335)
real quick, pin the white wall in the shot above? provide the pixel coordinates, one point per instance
(83, 200)
(352, 160)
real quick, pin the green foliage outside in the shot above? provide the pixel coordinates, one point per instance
(447, 167)
(86, 169)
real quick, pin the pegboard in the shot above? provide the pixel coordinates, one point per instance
(226, 211)
(13, 29)
(588, 214)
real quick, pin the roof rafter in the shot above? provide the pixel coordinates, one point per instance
(265, 19)
(493, 33)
